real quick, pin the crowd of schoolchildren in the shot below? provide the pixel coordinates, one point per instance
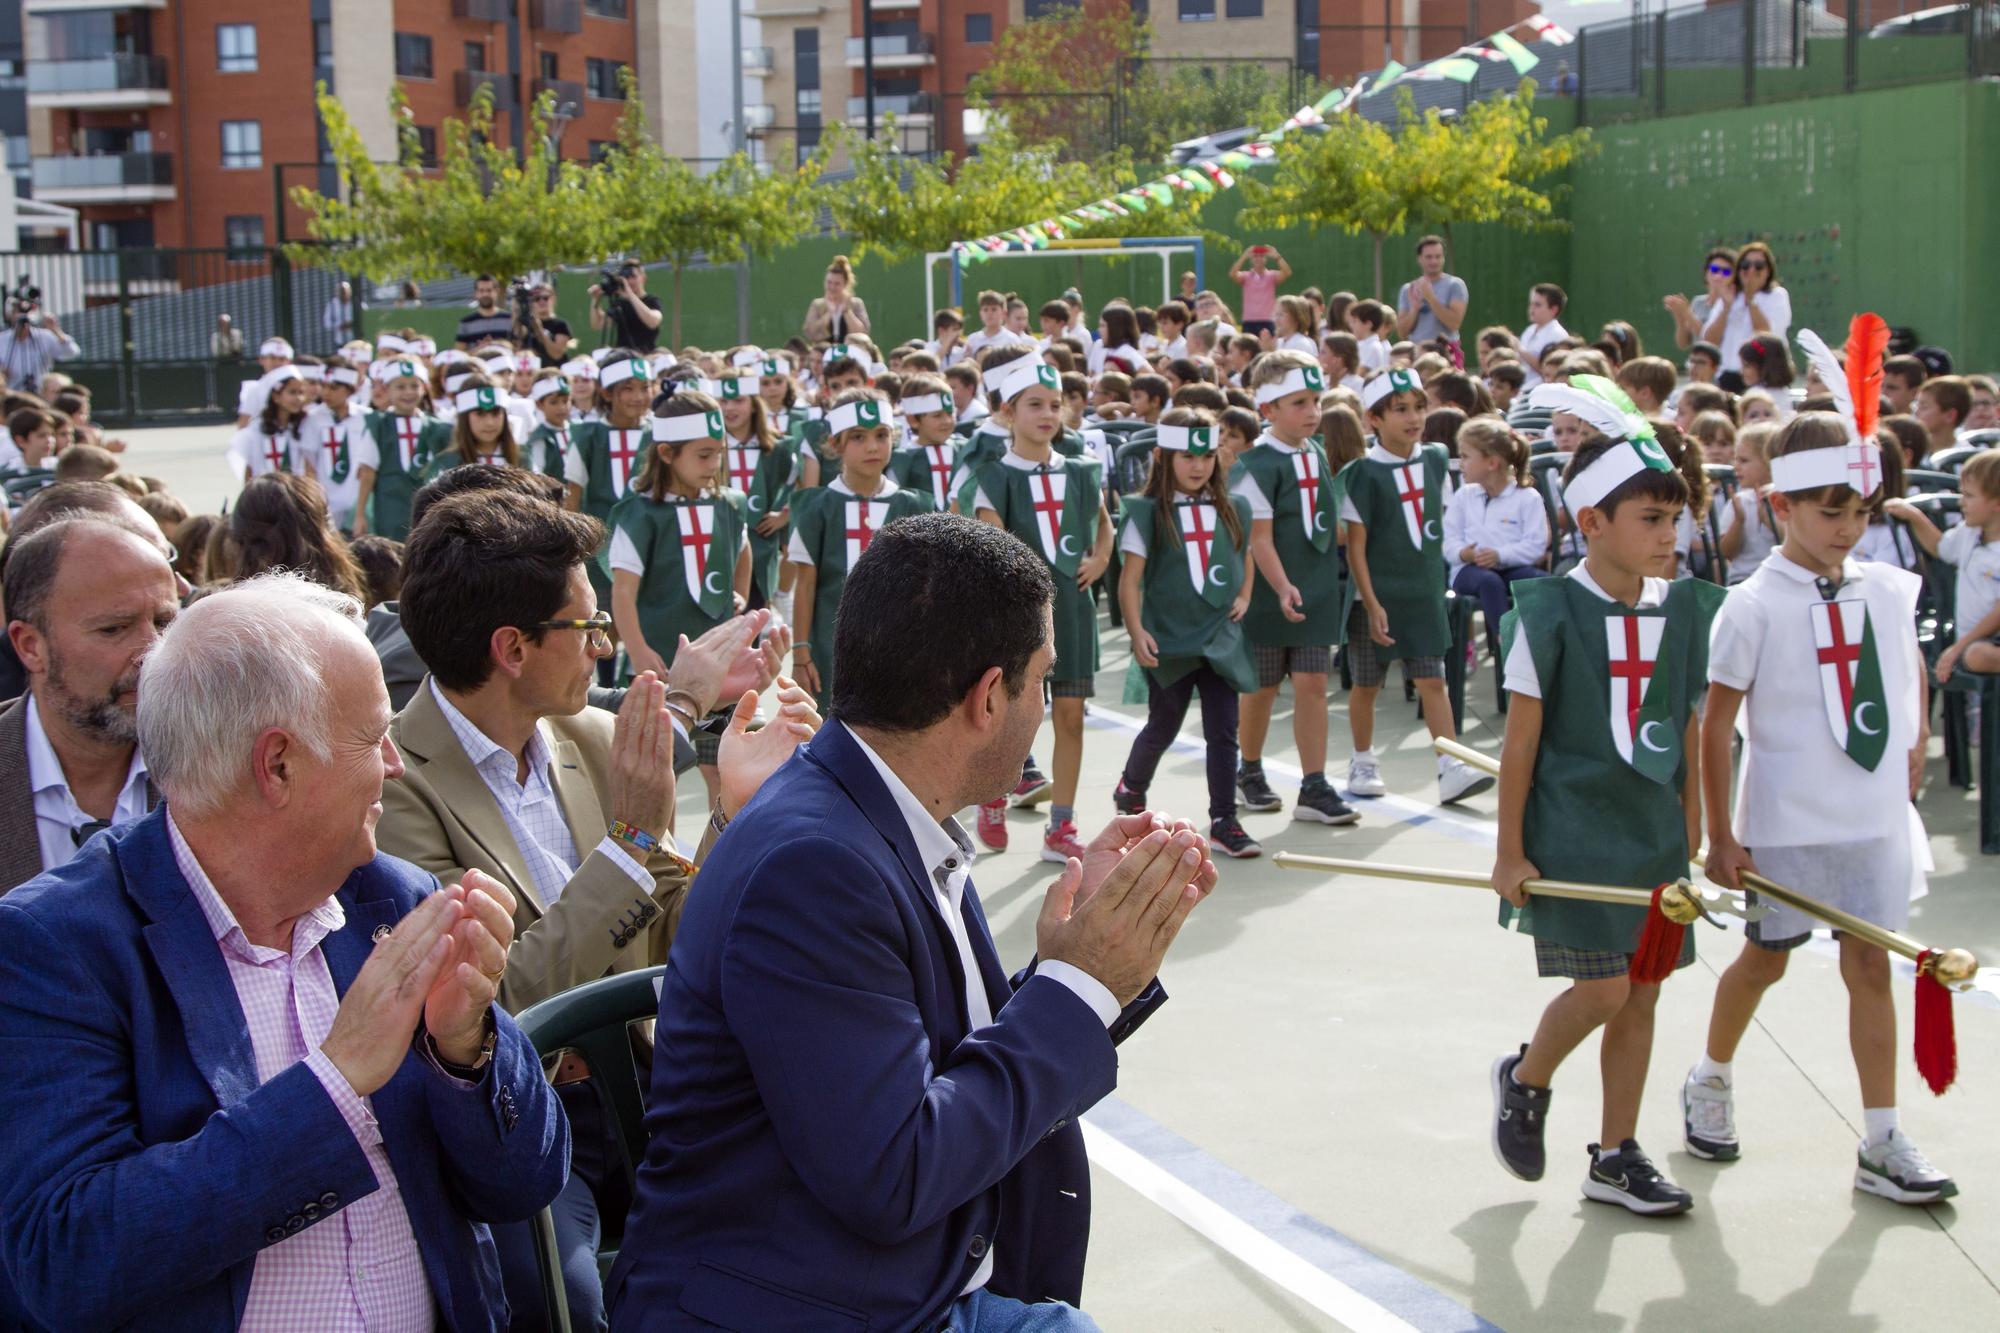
(1657, 558)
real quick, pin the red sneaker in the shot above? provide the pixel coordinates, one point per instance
(1060, 843)
(993, 824)
(1034, 790)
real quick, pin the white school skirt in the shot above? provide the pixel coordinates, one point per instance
(1876, 879)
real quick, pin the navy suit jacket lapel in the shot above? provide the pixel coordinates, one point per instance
(991, 970)
(190, 961)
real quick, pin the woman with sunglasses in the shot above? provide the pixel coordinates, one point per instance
(1757, 305)
(1691, 317)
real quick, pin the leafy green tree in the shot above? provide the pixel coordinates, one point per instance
(477, 210)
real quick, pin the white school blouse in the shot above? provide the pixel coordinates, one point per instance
(1515, 523)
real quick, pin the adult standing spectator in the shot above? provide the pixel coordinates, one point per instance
(1756, 303)
(87, 597)
(1260, 283)
(1433, 304)
(487, 320)
(284, 1097)
(226, 343)
(337, 319)
(628, 310)
(1691, 318)
(839, 313)
(540, 331)
(508, 772)
(37, 342)
(847, 1049)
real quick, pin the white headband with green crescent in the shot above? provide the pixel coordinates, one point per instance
(1194, 441)
(772, 365)
(384, 371)
(688, 426)
(541, 389)
(1388, 382)
(1016, 377)
(479, 398)
(631, 368)
(1299, 379)
(854, 416)
(736, 386)
(1635, 450)
(918, 404)
(839, 352)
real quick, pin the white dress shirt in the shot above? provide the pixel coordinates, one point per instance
(1514, 523)
(534, 816)
(59, 820)
(944, 847)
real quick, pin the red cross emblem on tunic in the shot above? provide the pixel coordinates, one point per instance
(275, 452)
(1305, 468)
(624, 448)
(1844, 657)
(697, 535)
(1862, 465)
(1197, 537)
(492, 460)
(859, 530)
(742, 466)
(1047, 491)
(937, 457)
(1635, 670)
(407, 431)
(1410, 490)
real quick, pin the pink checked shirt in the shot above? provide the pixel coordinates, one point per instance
(358, 1271)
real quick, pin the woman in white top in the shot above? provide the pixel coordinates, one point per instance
(1755, 304)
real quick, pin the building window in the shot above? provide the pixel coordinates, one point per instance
(243, 233)
(605, 9)
(236, 48)
(600, 79)
(1197, 11)
(323, 43)
(1041, 9)
(805, 58)
(475, 57)
(978, 28)
(808, 103)
(242, 143)
(413, 56)
(1244, 9)
(600, 147)
(427, 146)
(549, 65)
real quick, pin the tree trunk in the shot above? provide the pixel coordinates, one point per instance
(677, 310)
(1378, 264)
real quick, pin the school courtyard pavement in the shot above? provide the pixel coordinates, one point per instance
(1299, 1139)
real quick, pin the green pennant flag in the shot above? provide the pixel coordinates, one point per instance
(1200, 183)
(1523, 59)
(1388, 75)
(1162, 192)
(1459, 69)
(1330, 101)
(1236, 159)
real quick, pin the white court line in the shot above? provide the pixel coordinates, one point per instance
(1239, 1239)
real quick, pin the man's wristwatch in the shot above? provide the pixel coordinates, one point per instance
(467, 1073)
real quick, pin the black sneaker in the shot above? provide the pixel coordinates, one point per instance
(1256, 792)
(1319, 804)
(1630, 1180)
(1227, 836)
(1127, 801)
(1520, 1116)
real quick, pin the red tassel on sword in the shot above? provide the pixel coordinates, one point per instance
(1936, 1043)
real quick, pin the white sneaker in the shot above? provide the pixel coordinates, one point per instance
(1894, 1169)
(1708, 1119)
(1458, 780)
(1364, 777)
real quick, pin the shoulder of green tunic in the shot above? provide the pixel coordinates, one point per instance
(911, 500)
(1700, 596)
(1139, 509)
(1086, 466)
(1071, 443)
(807, 513)
(635, 515)
(1540, 612)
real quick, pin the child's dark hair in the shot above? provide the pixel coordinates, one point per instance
(1341, 435)
(1160, 488)
(1241, 420)
(1490, 437)
(1116, 385)
(381, 561)
(1510, 373)
(1457, 389)
(1687, 460)
(1186, 369)
(1155, 386)
(1001, 356)
(1767, 351)
(1441, 426)
(1817, 430)
(1372, 313)
(1345, 347)
(1669, 488)
(25, 421)
(1551, 294)
(1205, 396)
(1075, 385)
(1699, 398)
(1909, 433)
(1894, 463)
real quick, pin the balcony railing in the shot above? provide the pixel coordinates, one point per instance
(759, 117)
(108, 175)
(903, 106)
(468, 82)
(757, 60)
(557, 15)
(569, 94)
(918, 47)
(116, 73)
(482, 11)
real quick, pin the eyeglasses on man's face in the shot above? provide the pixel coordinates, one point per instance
(597, 628)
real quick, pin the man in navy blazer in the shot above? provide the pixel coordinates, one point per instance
(857, 1119)
(260, 1082)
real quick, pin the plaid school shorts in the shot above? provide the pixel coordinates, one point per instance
(1276, 661)
(1085, 688)
(1366, 664)
(1560, 960)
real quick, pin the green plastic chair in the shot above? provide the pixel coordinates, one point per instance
(594, 1020)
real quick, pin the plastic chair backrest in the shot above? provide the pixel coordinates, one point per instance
(1132, 462)
(1952, 459)
(22, 485)
(1923, 481)
(594, 1021)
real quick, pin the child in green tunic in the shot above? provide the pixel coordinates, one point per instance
(680, 547)
(405, 438)
(1392, 499)
(1294, 617)
(1184, 589)
(1598, 784)
(927, 465)
(547, 450)
(479, 433)
(754, 466)
(1056, 505)
(835, 523)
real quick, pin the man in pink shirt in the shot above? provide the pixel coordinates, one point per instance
(1260, 283)
(273, 1090)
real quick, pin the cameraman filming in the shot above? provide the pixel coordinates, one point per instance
(537, 328)
(486, 320)
(625, 308)
(37, 341)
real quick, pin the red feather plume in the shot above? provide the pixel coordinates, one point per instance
(1867, 343)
